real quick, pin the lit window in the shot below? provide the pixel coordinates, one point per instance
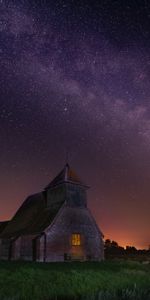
(76, 239)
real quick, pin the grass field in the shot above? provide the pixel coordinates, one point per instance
(104, 280)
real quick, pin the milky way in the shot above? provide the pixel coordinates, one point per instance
(77, 77)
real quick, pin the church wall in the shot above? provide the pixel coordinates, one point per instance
(76, 195)
(26, 248)
(42, 251)
(15, 249)
(32, 248)
(58, 236)
(56, 195)
(4, 249)
(0, 247)
(8, 249)
(73, 195)
(38, 249)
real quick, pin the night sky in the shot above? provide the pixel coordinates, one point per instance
(76, 76)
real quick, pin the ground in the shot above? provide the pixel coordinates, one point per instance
(109, 279)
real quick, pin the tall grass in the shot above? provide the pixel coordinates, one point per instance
(104, 280)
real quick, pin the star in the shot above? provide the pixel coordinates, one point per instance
(78, 75)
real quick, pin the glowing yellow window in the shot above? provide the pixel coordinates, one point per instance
(76, 239)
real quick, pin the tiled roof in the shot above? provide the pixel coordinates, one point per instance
(32, 217)
(66, 175)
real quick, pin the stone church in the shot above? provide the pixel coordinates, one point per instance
(53, 225)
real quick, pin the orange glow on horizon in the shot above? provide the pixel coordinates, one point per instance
(124, 243)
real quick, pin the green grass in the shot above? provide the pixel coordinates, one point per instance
(43, 281)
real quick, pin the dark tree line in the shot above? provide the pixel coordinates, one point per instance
(113, 250)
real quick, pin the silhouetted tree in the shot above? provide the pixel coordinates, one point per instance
(131, 249)
(114, 244)
(107, 243)
(113, 250)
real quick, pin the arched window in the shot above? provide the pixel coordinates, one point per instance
(76, 239)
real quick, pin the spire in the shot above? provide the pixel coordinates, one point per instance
(66, 175)
(66, 171)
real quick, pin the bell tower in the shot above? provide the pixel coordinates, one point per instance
(68, 188)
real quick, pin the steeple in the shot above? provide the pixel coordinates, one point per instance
(67, 175)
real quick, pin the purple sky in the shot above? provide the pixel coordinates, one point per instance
(77, 77)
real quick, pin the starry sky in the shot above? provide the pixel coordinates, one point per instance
(75, 76)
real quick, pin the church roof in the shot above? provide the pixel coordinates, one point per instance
(31, 218)
(66, 175)
(3, 225)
